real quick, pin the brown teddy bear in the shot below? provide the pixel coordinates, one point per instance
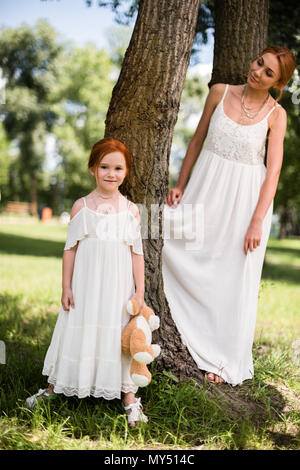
(136, 341)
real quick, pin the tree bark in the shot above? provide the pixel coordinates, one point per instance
(143, 112)
(241, 32)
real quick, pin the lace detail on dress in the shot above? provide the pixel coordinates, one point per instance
(236, 142)
(84, 392)
(126, 388)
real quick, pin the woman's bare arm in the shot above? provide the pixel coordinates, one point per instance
(274, 163)
(138, 267)
(213, 98)
(269, 186)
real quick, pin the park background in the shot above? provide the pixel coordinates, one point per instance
(50, 116)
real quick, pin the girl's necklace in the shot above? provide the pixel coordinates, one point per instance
(105, 208)
(247, 110)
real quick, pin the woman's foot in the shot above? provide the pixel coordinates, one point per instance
(214, 378)
(47, 394)
(133, 408)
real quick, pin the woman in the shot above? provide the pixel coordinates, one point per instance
(212, 290)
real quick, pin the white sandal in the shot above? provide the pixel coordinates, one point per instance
(31, 402)
(136, 412)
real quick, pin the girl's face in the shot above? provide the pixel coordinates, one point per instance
(264, 72)
(111, 171)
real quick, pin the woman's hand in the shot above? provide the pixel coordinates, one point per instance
(174, 196)
(140, 300)
(253, 236)
(67, 299)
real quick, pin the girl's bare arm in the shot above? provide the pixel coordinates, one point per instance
(138, 268)
(67, 299)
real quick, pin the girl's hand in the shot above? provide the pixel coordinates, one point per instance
(140, 300)
(174, 196)
(253, 236)
(67, 298)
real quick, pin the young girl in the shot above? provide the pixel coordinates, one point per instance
(103, 267)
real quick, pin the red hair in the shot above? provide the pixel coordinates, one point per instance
(109, 145)
(287, 65)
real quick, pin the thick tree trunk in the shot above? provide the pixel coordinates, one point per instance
(241, 31)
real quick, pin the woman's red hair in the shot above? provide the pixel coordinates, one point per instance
(109, 145)
(287, 65)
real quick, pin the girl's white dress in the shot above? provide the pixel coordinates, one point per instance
(85, 357)
(210, 284)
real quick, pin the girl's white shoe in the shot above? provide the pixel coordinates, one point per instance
(31, 402)
(136, 412)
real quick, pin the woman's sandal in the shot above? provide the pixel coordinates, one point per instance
(212, 379)
(136, 412)
(31, 402)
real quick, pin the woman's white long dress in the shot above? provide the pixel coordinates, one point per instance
(212, 286)
(85, 357)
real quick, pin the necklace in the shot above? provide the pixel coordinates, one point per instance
(105, 208)
(246, 110)
(103, 197)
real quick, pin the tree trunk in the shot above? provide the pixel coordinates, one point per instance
(284, 217)
(241, 32)
(143, 112)
(33, 197)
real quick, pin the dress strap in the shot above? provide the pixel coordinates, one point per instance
(84, 201)
(271, 110)
(224, 94)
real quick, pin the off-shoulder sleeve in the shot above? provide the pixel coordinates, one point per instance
(77, 229)
(133, 235)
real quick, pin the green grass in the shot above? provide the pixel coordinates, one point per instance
(181, 415)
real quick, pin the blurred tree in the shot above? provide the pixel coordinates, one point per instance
(28, 58)
(82, 96)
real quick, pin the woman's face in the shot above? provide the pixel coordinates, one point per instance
(264, 72)
(111, 171)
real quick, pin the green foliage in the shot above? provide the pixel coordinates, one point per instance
(82, 99)
(28, 59)
(53, 89)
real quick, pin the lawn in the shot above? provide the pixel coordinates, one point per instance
(181, 415)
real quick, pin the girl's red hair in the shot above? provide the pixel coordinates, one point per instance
(109, 145)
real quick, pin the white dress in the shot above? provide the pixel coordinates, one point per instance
(212, 286)
(85, 357)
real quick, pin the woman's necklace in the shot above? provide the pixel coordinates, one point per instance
(247, 111)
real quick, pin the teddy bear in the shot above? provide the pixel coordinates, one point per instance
(136, 341)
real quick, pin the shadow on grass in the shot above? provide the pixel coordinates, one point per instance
(179, 412)
(19, 245)
(280, 271)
